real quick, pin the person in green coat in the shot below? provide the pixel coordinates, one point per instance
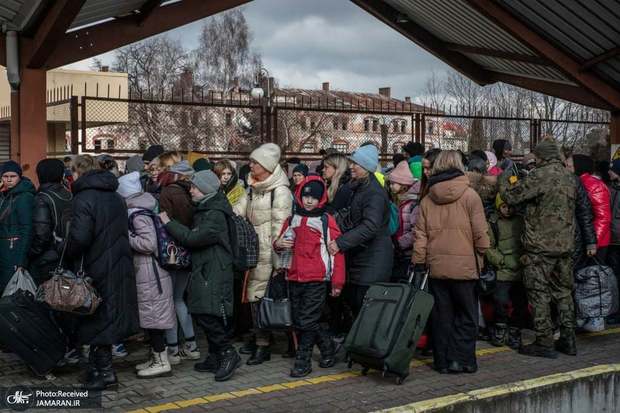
(505, 230)
(16, 206)
(210, 291)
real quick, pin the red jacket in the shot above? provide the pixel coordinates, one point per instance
(311, 262)
(600, 199)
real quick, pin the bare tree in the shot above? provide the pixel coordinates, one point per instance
(224, 58)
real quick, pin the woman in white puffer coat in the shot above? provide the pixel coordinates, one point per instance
(270, 203)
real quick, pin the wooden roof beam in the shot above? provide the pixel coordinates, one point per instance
(564, 62)
(92, 41)
(561, 90)
(425, 39)
(589, 64)
(51, 31)
(146, 10)
(501, 54)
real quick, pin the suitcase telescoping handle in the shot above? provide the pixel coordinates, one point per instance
(412, 276)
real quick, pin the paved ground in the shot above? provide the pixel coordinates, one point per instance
(268, 388)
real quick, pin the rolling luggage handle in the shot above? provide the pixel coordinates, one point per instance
(423, 284)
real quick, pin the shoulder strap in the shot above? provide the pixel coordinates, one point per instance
(325, 223)
(495, 229)
(54, 211)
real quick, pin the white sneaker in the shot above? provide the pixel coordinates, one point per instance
(146, 364)
(174, 358)
(187, 353)
(160, 366)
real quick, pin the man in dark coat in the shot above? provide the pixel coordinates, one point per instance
(210, 292)
(99, 238)
(366, 237)
(16, 202)
(52, 201)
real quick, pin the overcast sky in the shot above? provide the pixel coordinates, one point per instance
(306, 42)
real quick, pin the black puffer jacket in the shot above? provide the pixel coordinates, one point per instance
(366, 237)
(99, 234)
(584, 230)
(50, 202)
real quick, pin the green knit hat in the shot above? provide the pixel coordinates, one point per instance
(547, 149)
(202, 164)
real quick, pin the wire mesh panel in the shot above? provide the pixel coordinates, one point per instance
(116, 125)
(468, 133)
(578, 136)
(305, 131)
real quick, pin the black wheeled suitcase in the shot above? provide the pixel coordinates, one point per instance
(388, 327)
(30, 332)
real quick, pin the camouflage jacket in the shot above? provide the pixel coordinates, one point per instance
(548, 193)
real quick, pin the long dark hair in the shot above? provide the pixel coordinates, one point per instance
(430, 155)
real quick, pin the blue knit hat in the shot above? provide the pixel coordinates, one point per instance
(367, 157)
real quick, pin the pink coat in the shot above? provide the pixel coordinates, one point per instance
(156, 309)
(408, 210)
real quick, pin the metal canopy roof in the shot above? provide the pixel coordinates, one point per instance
(566, 48)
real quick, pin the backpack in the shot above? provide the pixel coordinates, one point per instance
(170, 255)
(61, 214)
(394, 223)
(243, 243)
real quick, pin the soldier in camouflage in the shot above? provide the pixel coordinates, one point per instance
(548, 193)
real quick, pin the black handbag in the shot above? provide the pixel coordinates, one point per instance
(487, 278)
(274, 309)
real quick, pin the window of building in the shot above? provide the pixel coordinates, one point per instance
(375, 125)
(335, 123)
(430, 128)
(110, 144)
(97, 145)
(395, 126)
(307, 147)
(341, 147)
(304, 123)
(403, 126)
(345, 124)
(366, 125)
(312, 123)
(229, 119)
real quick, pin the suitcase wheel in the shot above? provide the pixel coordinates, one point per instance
(365, 371)
(400, 379)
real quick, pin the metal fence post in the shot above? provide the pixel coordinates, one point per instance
(83, 123)
(418, 133)
(423, 127)
(73, 108)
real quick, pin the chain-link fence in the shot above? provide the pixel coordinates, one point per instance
(222, 126)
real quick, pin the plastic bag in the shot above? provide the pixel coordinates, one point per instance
(21, 280)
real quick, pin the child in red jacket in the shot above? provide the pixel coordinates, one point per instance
(312, 271)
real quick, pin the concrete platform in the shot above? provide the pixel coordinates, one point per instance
(268, 388)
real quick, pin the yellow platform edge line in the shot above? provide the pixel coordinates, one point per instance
(502, 390)
(342, 376)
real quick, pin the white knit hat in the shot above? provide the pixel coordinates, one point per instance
(129, 185)
(267, 155)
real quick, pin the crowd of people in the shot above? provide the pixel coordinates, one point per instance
(332, 229)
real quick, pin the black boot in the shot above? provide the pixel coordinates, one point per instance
(209, 365)
(303, 364)
(538, 350)
(290, 350)
(91, 368)
(567, 343)
(328, 351)
(228, 362)
(260, 355)
(499, 335)
(105, 377)
(249, 347)
(514, 338)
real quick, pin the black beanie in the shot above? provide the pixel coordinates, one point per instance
(583, 164)
(314, 189)
(152, 152)
(302, 169)
(50, 171)
(11, 166)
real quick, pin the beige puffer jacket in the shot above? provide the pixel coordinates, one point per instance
(270, 203)
(450, 224)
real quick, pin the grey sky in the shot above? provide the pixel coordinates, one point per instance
(306, 42)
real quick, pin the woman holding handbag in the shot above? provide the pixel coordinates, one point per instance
(450, 239)
(99, 237)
